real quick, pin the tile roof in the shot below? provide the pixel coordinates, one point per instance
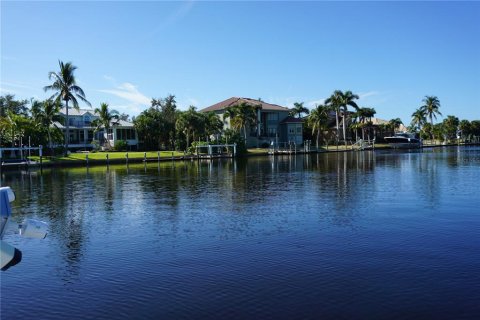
(235, 100)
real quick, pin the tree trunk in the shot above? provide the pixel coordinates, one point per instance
(50, 142)
(344, 132)
(67, 131)
(318, 138)
(336, 122)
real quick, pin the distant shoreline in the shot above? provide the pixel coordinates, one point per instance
(131, 160)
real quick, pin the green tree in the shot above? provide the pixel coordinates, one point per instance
(395, 124)
(213, 124)
(318, 121)
(168, 108)
(430, 109)
(334, 104)
(340, 101)
(418, 119)
(465, 128)
(66, 89)
(150, 128)
(242, 115)
(189, 123)
(106, 118)
(8, 103)
(46, 116)
(450, 127)
(298, 109)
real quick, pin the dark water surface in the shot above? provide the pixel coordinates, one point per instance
(367, 235)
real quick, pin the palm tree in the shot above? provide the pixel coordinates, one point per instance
(46, 115)
(298, 109)
(394, 124)
(318, 120)
(418, 119)
(189, 122)
(334, 104)
(213, 124)
(430, 109)
(347, 99)
(241, 115)
(106, 118)
(368, 114)
(66, 89)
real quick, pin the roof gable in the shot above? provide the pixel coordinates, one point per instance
(235, 100)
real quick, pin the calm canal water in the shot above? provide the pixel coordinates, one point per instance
(364, 235)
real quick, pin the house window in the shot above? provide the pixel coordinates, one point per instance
(291, 130)
(110, 134)
(272, 131)
(272, 116)
(299, 129)
(90, 135)
(125, 134)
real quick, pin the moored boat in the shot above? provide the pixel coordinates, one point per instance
(404, 140)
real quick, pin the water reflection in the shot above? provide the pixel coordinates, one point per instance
(228, 197)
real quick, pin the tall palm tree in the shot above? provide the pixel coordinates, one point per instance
(430, 109)
(241, 115)
(418, 119)
(340, 102)
(106, 118)
(298, 109)
(66, 89)
(318, 120)
(334, 103)
(46, 115)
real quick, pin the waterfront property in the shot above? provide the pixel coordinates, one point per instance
(82, 130)
(273, 122)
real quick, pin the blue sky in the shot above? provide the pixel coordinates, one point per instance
(390, 53)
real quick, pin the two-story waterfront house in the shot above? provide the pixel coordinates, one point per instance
(82, 131)
(273, 122)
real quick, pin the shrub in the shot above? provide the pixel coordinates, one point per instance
(120, 145)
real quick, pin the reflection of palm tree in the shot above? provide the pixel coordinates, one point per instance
(105, 119)
(64, 84)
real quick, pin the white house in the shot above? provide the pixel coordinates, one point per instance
(82, 131)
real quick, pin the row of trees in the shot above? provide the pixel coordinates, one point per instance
(162, 126)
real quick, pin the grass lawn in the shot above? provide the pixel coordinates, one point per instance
(111, 155)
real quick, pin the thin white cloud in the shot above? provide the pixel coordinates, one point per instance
(7, 91)
(313, 103)
(368, 94)
(110, 79)
(130, 93)
(176, 15)
(19, 85)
